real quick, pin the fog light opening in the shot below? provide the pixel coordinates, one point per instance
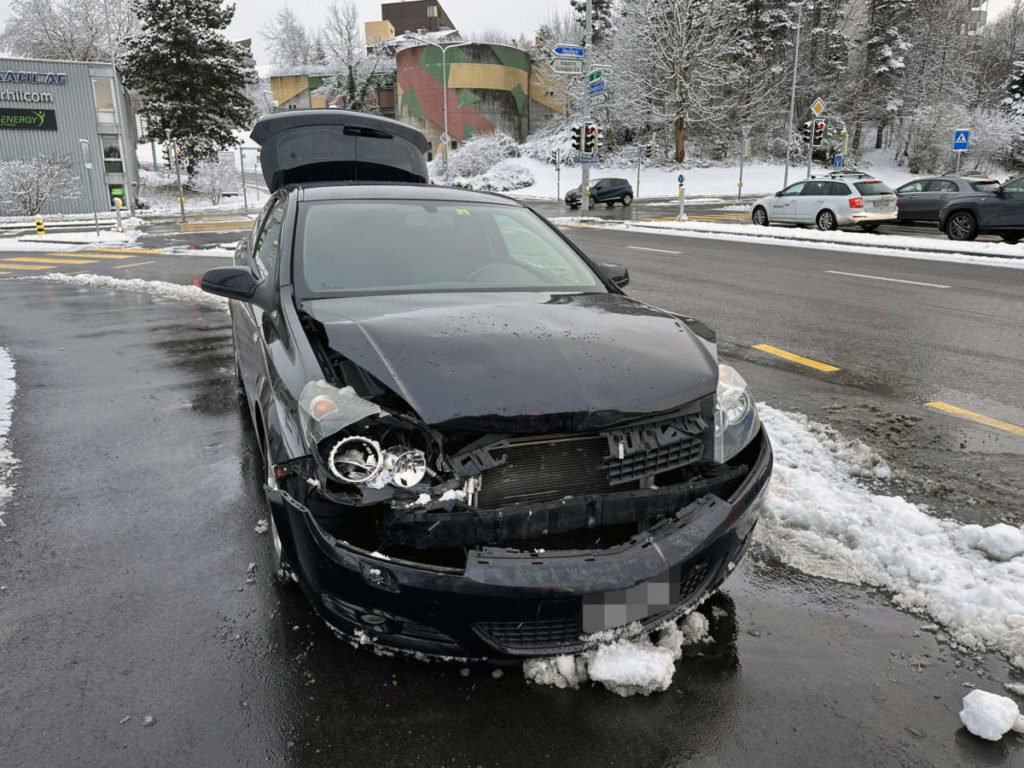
(372, 619)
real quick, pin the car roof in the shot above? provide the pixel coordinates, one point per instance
(316, 191)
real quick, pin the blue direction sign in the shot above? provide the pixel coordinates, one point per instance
(837, 162)
(960, 139)
(588, 159)
(681, 177)
(576, 51)
(596, 87)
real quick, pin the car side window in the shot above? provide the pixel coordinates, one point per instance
(839, 189)
(913, 186)
(266, 250)
(815, 188)
(794, 189)
(941, 185)
(1015, 187)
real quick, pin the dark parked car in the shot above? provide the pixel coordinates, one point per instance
(922, 199)
(609, 191)
(999, 212)
(475, 445)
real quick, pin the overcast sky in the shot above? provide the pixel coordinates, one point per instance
(512, 16)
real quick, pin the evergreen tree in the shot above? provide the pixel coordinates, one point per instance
(601, 16)
(193, 80)
(1013, 103)
(886, 46)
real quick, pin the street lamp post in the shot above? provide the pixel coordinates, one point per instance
(444, 92)
(792, 93)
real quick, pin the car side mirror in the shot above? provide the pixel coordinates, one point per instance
(231, 283)
(617, 274)
(779, 193)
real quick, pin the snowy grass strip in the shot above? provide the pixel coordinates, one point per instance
(822, 519)
(174, 291)
(7, 460)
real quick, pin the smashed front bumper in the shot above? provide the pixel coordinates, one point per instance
(508, 603)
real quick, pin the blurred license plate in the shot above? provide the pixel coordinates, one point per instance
(608, 610)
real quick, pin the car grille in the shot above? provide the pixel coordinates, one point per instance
(544, 469)
(694, 583)
(543, 634)
(650, 462)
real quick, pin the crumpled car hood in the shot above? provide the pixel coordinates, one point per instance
(490, 358)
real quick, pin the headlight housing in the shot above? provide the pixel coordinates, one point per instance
(736, 420)
(356, 448)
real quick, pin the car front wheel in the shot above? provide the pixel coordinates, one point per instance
(627, 199)
(962, 226)
(826, 220)
(592, 202)
(760, 217)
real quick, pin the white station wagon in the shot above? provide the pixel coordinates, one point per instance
(829, 203)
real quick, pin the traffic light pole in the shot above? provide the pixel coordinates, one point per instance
(810, 144)
(585, 181)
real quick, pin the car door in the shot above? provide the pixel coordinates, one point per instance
(783, 205)
(909, 196)
(1004, 210)
(813, 198)
(934, 198)
(264, 253)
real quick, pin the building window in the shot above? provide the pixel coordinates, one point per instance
(103, 91)
(112, 154)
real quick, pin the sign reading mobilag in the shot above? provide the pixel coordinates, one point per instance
(28, 120)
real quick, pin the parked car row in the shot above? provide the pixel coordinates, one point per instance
(963, 205)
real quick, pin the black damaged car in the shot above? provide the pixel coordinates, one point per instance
(476, 446)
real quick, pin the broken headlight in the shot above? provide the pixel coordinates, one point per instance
(736, 421)
(357, 448)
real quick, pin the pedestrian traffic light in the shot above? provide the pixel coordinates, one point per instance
(806, 131)
(577, 136)
(591, 138)
(819, 133)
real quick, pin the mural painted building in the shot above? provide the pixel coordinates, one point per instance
(489, 87)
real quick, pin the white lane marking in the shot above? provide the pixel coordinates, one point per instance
(655, 250)
(887, 279)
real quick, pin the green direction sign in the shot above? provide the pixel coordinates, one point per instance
(28, 120)
(596, 75)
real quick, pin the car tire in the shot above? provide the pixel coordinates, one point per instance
(870, 226)
(826, 220)
(279, 565)
(627, 199)
(962, 226)
(592, 203)
(1010, 239)
(759, 216)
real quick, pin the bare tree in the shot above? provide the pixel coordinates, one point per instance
(288, 41)
(675, 63)
(28, 185)
(213, 178)
(75, 30)
(356, 72)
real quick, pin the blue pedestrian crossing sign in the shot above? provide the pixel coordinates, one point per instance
(837, 162)
(960, 139)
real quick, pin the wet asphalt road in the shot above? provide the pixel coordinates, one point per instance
(127, 545)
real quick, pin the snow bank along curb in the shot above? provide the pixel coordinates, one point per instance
(987, 254)
(625, 665)
(188, 293)
(822, 519)
(7, 460)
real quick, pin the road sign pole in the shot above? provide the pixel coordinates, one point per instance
(639, 160)
(743, 154)
(558, 174)
(585, 177)
(958, 154)
(810, 144)
(245, 195)
(682, 198)
(792, 96)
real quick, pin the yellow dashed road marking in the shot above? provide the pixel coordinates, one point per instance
(136, 264)
(98, 255)
(980, 418)
(5, 265)
(37, 260)
(795, 358)
(129, 250)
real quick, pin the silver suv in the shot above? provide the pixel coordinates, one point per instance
(829, 203)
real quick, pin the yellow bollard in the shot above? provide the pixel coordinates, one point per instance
(40, 230)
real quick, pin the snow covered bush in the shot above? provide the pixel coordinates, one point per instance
(213, 179)
(28, 185)
(476, 156)
(505, 176)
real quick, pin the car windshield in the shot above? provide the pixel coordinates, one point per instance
(358, 247)
(874, 187)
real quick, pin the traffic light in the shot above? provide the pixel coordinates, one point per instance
(577, 136)
(805, 132)
(819, 133)
(591, 138)
(648, 150)
(165, 153)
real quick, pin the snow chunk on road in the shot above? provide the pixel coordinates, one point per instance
(821, 519)
(7, 460)
(625, 666)
(989, 715)
(174, 291)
